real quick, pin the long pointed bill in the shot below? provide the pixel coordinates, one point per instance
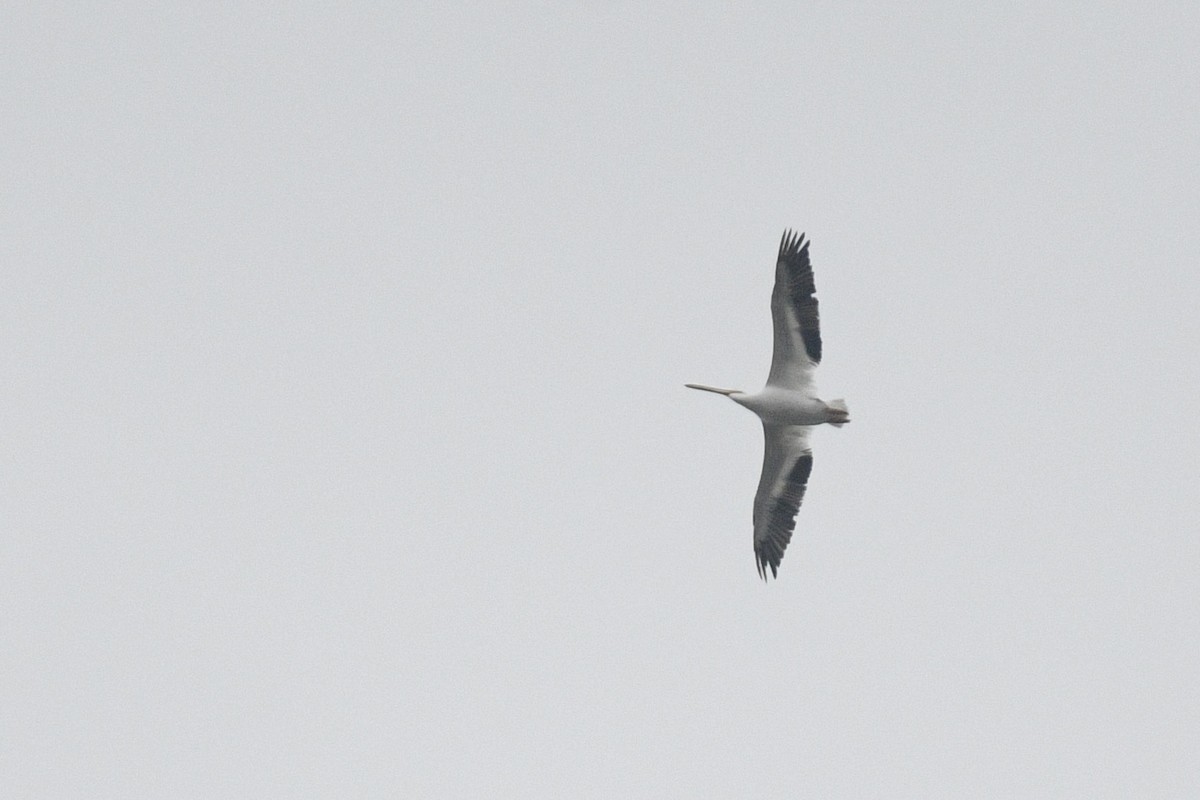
(702, 388)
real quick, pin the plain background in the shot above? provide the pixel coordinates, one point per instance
(345, 449)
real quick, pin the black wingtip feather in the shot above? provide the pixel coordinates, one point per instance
(792, 244)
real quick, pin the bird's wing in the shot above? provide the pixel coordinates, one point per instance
(794, 312)
(787, 462)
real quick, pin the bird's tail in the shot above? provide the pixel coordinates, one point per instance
(838, 413)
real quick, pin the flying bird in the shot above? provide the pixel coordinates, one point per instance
(788, 405)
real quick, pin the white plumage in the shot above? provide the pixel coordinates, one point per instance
(788, 405)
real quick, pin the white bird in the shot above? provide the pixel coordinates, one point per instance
(788, 405)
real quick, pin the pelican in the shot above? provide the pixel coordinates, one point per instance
(788, 405)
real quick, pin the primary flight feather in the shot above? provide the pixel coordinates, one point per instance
(788, 405)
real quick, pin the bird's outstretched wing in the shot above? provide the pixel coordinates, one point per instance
(796, 320)
(787, 463)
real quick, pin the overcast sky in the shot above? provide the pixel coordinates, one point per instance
(345, 449)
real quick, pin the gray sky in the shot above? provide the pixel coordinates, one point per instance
(345, 446)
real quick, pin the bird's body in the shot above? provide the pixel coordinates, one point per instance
(784, 406)
(788, 405)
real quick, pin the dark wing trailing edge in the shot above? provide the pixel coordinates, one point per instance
(787, 463)
(801, 290)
